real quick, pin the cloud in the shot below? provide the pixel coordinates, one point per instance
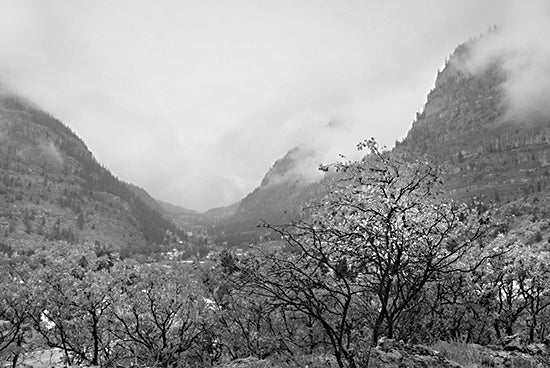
(328, 143)
(520, 46)
(50, 154)
(195, 100)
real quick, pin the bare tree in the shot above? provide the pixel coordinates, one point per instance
(16, 309)
(372, 244)
(159, 317)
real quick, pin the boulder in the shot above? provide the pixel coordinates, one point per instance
(394, 354)
(513, 342)
(386, 344)
(537, 349)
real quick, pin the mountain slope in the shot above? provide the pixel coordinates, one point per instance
(280, 192)
(465, 128)
(53, 189)
(278, 199)
(185, 219)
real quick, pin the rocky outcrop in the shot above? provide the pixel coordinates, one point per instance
(393, 354)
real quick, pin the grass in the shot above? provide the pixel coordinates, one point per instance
(475, 356)
(310, 361)
(467, 355)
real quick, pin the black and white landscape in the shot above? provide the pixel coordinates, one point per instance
(239, 184)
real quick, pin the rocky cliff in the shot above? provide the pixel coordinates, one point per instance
(465, 128)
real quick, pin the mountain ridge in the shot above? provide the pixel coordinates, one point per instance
(53, 188)
(464, 128)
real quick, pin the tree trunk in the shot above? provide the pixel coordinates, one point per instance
(338, 356)
(350, 359)
(377, 328)
(497, 330)
(509, 330)
(532, 328)
(95, 336)
(15, 358)
(390, 327)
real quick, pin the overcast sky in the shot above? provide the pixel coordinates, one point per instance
(194, 100)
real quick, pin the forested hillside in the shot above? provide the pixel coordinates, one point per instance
(464, 128)
(54, 189)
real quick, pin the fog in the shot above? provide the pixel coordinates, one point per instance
(195, 100)
(521, 47)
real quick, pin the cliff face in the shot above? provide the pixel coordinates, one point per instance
(465, 129)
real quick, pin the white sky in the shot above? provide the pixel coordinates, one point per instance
(194, 100)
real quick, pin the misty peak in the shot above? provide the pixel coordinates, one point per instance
(289, 167)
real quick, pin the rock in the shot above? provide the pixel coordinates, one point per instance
(513, 343)
(393, 354)
(463, 129)
(421, 350)
(537, 349)
(386, 344)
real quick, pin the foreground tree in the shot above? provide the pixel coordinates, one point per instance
(247, 324)
(381, 234)
(71, 288)
(311, 284)
(160, 317)
(16, 309)
(250, 321)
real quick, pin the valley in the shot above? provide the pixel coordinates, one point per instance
(435, 253)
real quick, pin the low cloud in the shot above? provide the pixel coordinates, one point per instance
(43, 152)
(202, 97)
(520, 46)
(331, 142)
(50, 154)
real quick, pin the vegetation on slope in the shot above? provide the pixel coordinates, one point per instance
(385, 253)
(54, 189)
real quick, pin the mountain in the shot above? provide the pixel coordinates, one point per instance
(277, 200)
(280, 192)
(186, 219)
(53, 189)
(146, 198)
(218, 214)
(465, 128)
